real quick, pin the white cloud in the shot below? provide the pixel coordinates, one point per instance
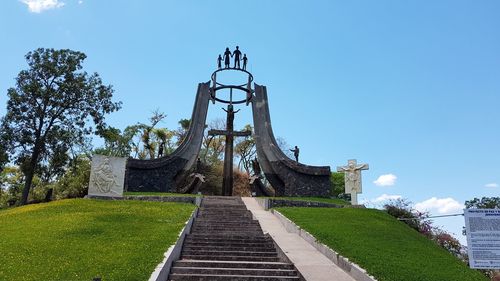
(379, 201)
(385, 197)
(386, 180)
(38, 6)
(441, 206)
(491, 185)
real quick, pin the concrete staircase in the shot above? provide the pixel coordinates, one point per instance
(227, 244)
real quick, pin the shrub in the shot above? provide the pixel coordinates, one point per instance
(338, 184)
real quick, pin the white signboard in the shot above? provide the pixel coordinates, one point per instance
(483, 237)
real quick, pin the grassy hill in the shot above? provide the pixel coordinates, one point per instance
(388, 249)
(80, 239)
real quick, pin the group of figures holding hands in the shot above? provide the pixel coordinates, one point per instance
(237, 58)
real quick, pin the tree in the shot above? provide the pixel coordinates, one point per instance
(4, 158)
(116, 143)
(51, 108)
(483, 203)
(182, 130)
(285, 147)
(212, 149)
(75, 181)
(338, 183)
(245, 150)
(163, 138)
(402, 210)
(11, 185)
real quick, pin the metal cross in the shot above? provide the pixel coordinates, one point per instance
(227, 181)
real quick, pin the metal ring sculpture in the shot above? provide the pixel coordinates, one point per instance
(216, 86)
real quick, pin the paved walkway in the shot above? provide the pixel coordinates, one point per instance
(313, 265)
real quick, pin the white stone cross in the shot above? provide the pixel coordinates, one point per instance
(352, 178)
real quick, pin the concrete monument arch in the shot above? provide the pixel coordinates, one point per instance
(285, 176)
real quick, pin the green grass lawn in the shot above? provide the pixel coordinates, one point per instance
(314, 199)
(386, 248)
(80, 239)
(157, 194)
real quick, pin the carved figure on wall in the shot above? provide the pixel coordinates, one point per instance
(296, 152)
(104, 178)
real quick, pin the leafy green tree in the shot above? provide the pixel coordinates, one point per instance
(483, 203)
(116, 143)
(212, 148)
(338, 183)
(163, 137)
(403, 210)
(4, 158)
(53, 106)
(245, 150)
(75, 181)
(11, 179)
(182, 130)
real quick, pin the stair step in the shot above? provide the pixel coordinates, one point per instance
(228, 239)
(222, 226)
(226, 248)
(204, 277)
(233, 271)
(230, 253)
(233, 264)
(225, 244)
(229, 258)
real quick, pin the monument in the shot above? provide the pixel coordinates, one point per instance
(106, 176)
(352, 178)
(286, 177)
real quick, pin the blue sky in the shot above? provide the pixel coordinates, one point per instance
(410, 87)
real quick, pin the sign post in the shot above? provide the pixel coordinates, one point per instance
(483, 237)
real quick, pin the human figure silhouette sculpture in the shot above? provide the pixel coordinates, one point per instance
(296, 152)
(227, 58)
(237, 55)
(160, 150)
(256, 167)
(245, 59)
(198, 165)
(230, 110)
(219, 62)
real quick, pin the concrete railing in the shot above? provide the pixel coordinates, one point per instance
(269, 203)
(173, 253)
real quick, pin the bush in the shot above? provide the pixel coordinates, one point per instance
(75, 181)
(338, 184)
(241, 184)
(402, 210)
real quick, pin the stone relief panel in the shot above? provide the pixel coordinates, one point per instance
(107, 175)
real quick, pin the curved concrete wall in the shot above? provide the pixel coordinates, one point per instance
(164, 174)
(286, 176)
